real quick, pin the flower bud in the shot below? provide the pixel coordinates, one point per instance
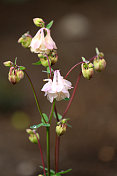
(12, 76)
(53, 57)
(44, 62)
(25, 40)
(87, 70)
(8, 63)
(38, 22)
(29, 131)
(99, 64)
(15, 75)
(20, 74)
(33, 138)
(60, 129)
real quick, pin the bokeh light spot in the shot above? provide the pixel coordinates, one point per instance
(20, 120)
(106, 153)
(26, 169)
(74, 25)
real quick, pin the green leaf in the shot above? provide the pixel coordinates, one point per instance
(48, 70)
(66, 99)
(49, 25)
(46, 124)
(37, 126)
(22, 68)
(37, 63)
(15, 60)
(64, 172)
(59, 116)
(51, 171)
(45, 117)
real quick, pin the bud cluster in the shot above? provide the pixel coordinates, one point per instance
(42, 44)
(15, 73)
(98, 65)
(52, 56)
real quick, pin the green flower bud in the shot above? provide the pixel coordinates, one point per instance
(33, 138)
(87, 70)
(53, 57)
(38, 22)
(44, 62)
(99, 64)
(12, 78)
(25, 40)
(8, 63)
(29, 131)
(60, 129)
(20, 74)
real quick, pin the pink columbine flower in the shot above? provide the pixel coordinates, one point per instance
(58, 88)
(42, 42)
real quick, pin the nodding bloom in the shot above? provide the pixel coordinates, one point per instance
(57, 88)
(42, 42)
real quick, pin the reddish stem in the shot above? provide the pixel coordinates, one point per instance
(39, 145)
(73, 68)
(67, 108)
(93, 58)
(49, 66)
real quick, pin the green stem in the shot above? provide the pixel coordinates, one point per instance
(51, 112)
(57, 146)
(48, 149)
(35, 96)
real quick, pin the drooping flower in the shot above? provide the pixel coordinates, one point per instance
(58, 88)
(42, 42)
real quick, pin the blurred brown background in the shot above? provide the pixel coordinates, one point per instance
(90, 146)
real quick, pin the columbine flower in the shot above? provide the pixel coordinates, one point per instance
(58, 88)
(42, 42)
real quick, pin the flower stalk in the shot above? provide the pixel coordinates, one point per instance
(39, 145)
(57, 146)
(48, 148)
(35, 96)
(71, 99)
